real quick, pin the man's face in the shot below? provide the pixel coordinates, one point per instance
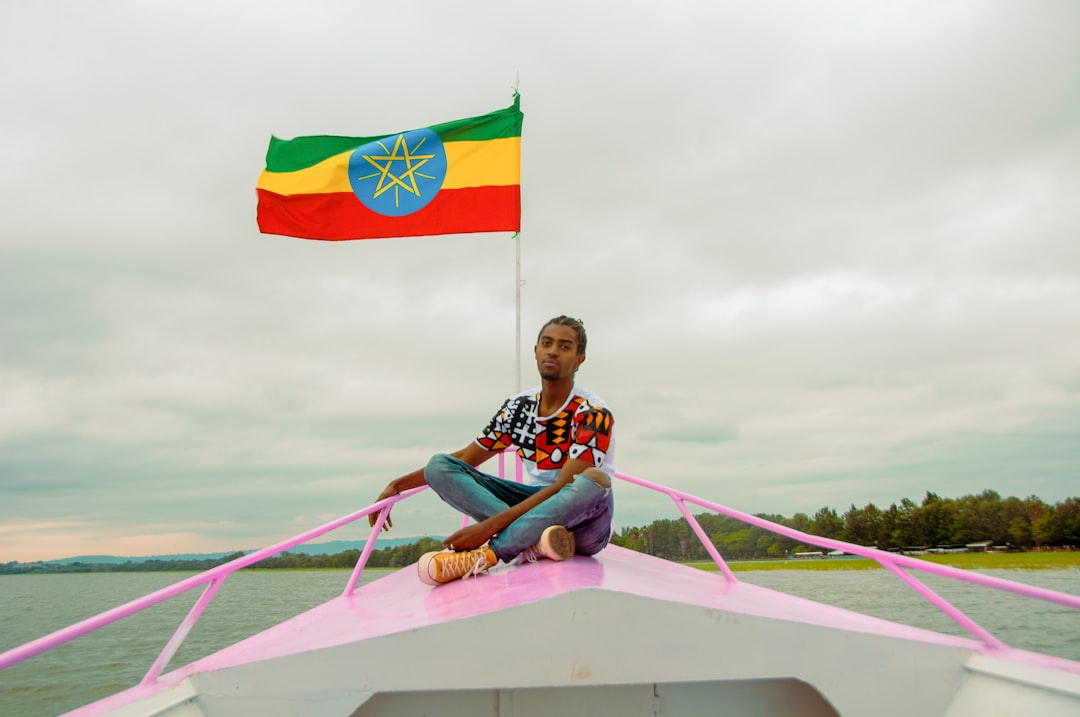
(557, 354)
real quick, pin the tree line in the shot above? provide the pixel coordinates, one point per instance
(1026, 524)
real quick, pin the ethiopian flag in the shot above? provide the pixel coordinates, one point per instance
(451, 178)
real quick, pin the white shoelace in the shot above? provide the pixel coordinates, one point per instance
(459, 565)
(480, 565)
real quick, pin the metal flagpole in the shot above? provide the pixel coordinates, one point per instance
(517, 307)
(517, 265)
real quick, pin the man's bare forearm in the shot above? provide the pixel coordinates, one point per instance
(501, 521)
(409, 481)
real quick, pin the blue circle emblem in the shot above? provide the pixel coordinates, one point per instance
(398, 174)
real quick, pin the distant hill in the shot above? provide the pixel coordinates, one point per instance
(331, 547)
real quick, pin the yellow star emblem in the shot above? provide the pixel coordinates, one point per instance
(405, 179)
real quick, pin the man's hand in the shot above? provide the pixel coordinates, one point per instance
(394, 487)
(388, 491)
(470, 537)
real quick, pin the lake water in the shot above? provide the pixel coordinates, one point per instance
(117, 657)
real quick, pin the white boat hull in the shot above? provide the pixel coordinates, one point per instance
(618, 634)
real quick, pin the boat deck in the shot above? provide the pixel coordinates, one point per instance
(399, 602)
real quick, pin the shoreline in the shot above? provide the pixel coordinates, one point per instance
(1061, 560)
(1049, 560)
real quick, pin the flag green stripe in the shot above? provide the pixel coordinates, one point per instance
(290, 155)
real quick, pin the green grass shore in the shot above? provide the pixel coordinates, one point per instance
(964, 561)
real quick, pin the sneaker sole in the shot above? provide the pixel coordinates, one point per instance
(425, 568)
(557, 543)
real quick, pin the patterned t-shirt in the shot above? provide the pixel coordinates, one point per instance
(581, 429)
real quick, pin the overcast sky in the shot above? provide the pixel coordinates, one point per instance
(828, 253)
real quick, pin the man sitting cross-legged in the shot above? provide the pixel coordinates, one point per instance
(563, 434)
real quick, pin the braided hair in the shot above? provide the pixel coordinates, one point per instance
(575, 324)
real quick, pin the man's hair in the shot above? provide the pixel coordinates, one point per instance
(575, 324)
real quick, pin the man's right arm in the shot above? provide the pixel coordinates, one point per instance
(472, 454)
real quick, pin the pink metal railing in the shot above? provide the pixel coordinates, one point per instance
(892, 562)
(212, 579)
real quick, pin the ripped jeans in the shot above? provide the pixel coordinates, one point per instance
(582, 506)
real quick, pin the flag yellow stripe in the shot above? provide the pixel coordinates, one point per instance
(489, 163)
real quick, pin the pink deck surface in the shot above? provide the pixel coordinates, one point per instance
(400, 602)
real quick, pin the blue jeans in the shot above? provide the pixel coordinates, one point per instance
(582, 506)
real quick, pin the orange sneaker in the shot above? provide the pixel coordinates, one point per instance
(442, 567)
(556, 543)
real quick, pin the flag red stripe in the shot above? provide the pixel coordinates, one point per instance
(341, 216)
